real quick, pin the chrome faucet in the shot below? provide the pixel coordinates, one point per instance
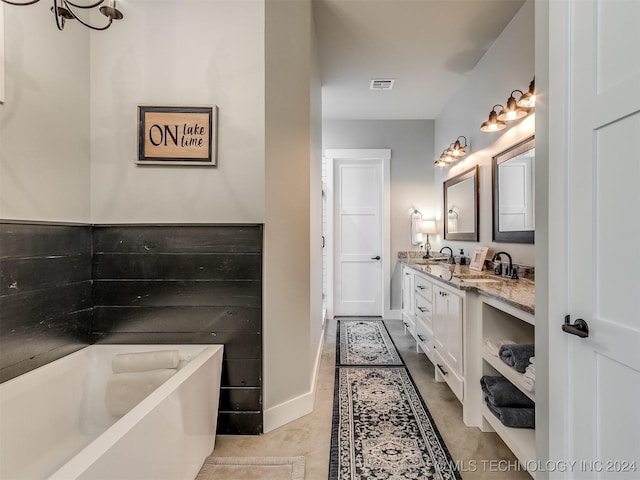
(451, 260)
(511, 271)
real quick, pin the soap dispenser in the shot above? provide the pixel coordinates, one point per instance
(497, 267)
(463, 259)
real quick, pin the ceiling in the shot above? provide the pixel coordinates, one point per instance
(427, 46)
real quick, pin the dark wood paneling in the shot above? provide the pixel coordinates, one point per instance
(40, 306)
(19, 275)
(205, 266)
(178, 319)
(178, 239)
(239, 423)
(177, 293)
(241, 372)
(240, 399)
(33, 240)
(45, 294)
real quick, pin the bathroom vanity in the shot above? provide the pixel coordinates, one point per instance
(451, 310)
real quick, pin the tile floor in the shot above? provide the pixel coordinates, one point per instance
(311, 435)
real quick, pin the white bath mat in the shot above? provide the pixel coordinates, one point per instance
(252, 468)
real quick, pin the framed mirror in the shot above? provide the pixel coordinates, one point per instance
(513, 174)
(461, 206)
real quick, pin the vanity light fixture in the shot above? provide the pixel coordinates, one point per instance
(493, 124)
(64, 10)
(512, 111)
(457, 150)
(528, 100)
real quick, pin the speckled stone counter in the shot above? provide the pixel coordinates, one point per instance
(517, 293)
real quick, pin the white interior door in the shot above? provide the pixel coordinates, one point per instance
(358, 229)
(602, 371)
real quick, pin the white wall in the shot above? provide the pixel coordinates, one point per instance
(291, 310)
(412, 175)
(179, 53)
(44, 122)
(507, 65)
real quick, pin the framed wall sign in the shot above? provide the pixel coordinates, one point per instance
(177, 135)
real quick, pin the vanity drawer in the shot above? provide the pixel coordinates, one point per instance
(448, 374)
(423, 311)
(423, 287)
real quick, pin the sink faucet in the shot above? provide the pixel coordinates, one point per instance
(451, 260)
(511, 271)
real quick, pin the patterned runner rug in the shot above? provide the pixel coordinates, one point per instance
(383, 430)
(365, 342)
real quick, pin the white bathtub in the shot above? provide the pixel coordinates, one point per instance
(54, 424)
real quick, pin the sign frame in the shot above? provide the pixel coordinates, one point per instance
(164, 143)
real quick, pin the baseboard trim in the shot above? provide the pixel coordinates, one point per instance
(297, 407)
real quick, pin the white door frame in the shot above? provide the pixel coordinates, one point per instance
(331, 156)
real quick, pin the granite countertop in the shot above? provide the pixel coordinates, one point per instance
(517, 293)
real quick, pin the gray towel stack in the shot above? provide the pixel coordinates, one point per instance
(512, 407)
(516, 356)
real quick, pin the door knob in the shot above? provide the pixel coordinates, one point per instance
(579, 327)
(376, 258)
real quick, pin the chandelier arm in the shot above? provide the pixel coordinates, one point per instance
(59, 18)
(88, 25)
(93, 5)
(19, 4)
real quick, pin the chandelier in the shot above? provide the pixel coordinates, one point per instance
(64, 10)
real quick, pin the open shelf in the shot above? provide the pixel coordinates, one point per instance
(521, 441)
(506, 371)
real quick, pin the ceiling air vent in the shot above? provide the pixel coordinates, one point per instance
(382, 84)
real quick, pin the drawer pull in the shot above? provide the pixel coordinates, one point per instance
(420, 287)
(422, 309)
(442, 369)
(421, 337)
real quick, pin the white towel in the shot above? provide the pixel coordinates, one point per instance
(145, 361)
(414, 231)
(493, 345)
(532, 360)
(529, 374)
(126, 390)
(527, 383)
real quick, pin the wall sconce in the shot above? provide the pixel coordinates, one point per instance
(64, 10)
(452, 154)
(528, 100)
(512, 111)
(427, 227)
(457, 150)
(493, 124)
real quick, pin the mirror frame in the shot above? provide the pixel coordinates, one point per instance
(468, 236)
(515, 236)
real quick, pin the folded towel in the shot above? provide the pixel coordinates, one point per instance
(532, 360)
(528, 383)
(145, 361)
(516, 356)
(529, 374)
(500, 392)
(514, 417)
(493, 345)
(531, 368)
(126, 390)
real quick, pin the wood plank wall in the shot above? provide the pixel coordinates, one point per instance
(187, 284)
(45, 294)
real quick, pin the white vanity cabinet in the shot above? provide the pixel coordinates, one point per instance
(447, 337)
(433, 314)
(408, 317)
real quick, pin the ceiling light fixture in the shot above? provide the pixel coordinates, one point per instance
(64, 10)
(528, 100)
(493, 124)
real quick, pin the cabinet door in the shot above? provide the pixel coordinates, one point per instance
(407, 291)
(447, 327)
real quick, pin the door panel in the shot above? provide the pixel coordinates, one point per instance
(359, 237)
(603, 370)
